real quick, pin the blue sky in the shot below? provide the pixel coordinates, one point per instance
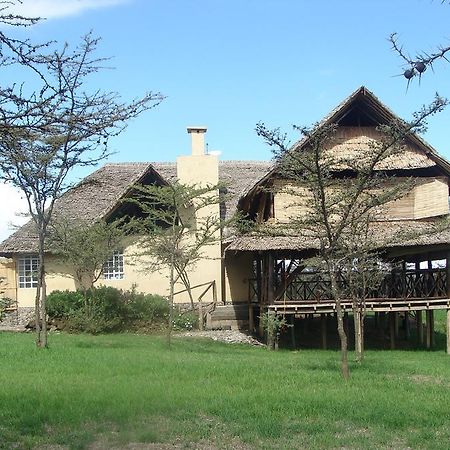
(228, 64)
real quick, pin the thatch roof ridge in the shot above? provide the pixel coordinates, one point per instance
(384, 111)
(388, 234)
(97, 195)
(92, 198)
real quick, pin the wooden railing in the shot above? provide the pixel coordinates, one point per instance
(398, 284)
(210, 285)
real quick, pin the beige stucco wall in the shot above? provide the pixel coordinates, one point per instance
(139, 272)
(7, 279)
(238, 269)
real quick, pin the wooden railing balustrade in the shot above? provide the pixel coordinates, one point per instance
(397, 284)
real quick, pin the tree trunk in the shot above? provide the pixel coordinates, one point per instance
(340, 326)
(200, 315)
(171, 291)
(41, 293)
(357, 319)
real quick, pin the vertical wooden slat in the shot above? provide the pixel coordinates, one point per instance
(323, 326)
(419, 327)
(428, 329)
(392, 329)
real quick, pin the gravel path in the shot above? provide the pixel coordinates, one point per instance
(228, 336)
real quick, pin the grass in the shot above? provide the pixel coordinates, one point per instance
(111, 390)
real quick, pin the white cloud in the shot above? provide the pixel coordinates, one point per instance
(12, 205)
(51, 9)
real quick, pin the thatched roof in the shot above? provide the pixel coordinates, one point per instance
(99, 194)
(371, 112)
(389, 234)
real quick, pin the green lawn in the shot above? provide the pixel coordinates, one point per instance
(108, 391)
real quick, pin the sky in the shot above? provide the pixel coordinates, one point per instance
(228, 64)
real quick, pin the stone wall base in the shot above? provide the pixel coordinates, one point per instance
(17, 320)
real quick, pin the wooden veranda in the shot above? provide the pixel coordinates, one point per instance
(405, 290)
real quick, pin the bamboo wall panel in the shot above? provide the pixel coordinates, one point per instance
(428, 198)
(431, 198)
(354, 142)
(290, 201)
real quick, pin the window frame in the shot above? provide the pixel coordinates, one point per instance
(27, 271)
(114, 267)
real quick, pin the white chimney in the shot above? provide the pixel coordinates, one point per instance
(197, 140)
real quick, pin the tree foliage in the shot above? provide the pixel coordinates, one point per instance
(85, 246)
(415, 65)
(179, 222)
(53, 124)
(342, 194)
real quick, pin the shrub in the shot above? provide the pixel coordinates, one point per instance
(187, 320)
(148, 308)
(60, 304)
(106, 309)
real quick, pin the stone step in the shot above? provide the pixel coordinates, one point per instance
(237, 311)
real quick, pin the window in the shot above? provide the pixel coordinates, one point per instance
(27, 268)
(113, 268)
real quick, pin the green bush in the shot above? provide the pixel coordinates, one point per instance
(60, 304)
(107, 309)
(147, 308)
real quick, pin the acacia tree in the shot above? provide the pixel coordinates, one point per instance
(85, 246)
(339, 208)
(54, 126)
(177, 226)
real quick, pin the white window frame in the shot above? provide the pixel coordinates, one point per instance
(27, 272)
(113, 268)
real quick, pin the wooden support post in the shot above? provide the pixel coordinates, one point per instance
(419, 327)
(432, 328)
(392, 329)
(448, 331)
(305, 322)
(323, 326)
(396, 324)
(251, 318)
(270, 284)
(262, 311)
(382, 324)
(407, 326)
(271, 339)
(293, 331)
(428, 329)
(259, 277)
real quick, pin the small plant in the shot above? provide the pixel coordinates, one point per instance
(183, 321)
(272, 325)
